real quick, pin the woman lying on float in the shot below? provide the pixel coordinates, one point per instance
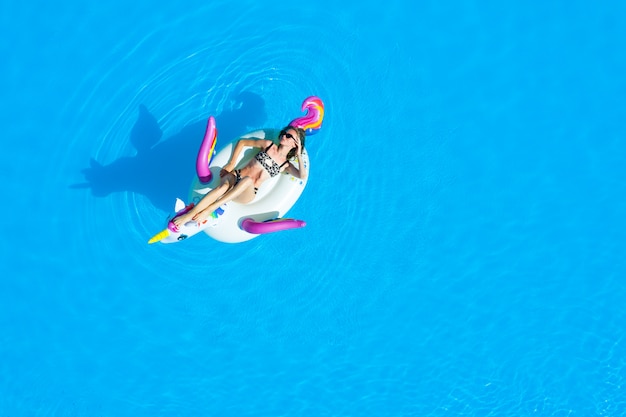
(242, 185)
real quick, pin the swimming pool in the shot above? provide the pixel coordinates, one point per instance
(463, 253)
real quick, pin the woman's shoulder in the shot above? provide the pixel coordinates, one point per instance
(264, 143)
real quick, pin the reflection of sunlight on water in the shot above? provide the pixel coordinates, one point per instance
(450, 260)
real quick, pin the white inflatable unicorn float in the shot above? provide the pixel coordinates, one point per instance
(233, 222)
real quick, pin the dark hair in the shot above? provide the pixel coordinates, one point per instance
(301, 136)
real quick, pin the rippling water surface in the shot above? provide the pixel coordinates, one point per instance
(463, 253)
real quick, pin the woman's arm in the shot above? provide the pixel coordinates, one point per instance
(301, 172)
(242, 143)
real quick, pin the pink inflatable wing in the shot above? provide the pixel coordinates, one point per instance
(312, 121)
(270, 226)
(205, 154)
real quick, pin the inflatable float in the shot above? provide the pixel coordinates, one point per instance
(233, 222)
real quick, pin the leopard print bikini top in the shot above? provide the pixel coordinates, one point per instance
(268, 163)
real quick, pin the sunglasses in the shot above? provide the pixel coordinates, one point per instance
(289, 135)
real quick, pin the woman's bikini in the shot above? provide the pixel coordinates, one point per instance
(266, 162)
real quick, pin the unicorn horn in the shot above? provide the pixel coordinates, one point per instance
(159, 236)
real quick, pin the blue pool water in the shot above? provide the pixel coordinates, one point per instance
(464, 248)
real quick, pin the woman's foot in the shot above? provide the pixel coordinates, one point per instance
(183, 219)
(204, 214)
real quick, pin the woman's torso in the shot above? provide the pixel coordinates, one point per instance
(255, 169)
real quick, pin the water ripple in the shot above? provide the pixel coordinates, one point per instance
(181, 91)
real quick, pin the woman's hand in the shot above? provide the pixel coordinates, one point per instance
(298, 145)
(226, 169)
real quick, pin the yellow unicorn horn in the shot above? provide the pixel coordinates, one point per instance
(159, 236)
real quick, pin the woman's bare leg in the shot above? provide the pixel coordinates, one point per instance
(243, 193)
(206, 201)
